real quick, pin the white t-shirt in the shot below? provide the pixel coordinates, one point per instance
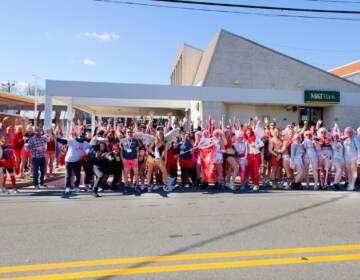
(75, 150)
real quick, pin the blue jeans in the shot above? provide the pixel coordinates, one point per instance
(38, 163)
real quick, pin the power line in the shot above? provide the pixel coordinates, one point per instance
(230, 5)
(335, 1)
(311, 49)
(282, 15)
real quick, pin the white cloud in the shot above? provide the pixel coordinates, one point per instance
(101, 37)
(21, 84)
(88, 61)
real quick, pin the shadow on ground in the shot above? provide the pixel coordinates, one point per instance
(235, 232)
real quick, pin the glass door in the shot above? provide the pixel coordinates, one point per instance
(310, 114)
(316, 114)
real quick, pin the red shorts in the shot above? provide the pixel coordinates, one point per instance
(275, 162)
(130, 163)
(17, 153)
(50, 153)
(25, 153)
(187, 163)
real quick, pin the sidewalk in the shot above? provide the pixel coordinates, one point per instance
(23, 182)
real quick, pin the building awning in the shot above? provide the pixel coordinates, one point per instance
(11, 101)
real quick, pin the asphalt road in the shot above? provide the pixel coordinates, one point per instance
(41, 227)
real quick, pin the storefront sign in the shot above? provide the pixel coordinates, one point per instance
(322, 96)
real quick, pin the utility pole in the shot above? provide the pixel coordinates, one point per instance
(36, 78)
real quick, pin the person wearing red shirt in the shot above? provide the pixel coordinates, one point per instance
(50, 152)
(18, 144)
(254, 156)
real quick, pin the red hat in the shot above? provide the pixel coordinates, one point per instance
(116, 147)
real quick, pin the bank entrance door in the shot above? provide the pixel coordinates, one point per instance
(310, 114)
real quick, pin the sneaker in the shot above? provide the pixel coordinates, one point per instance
(286, 186)
(5, 191)
(168, 188)
(350, 187)
(67, 191)
(43, 186)
(187, 186)
(156, 187)
(101, 189)
(37, 187)
(230, 186)
(255, 188)
(97, 195)
(15, 191)
(242, 187)
(316, 187)
(77, 190)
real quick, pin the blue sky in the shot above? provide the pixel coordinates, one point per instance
(53, 38)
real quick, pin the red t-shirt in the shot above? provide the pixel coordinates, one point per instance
(18, 141)
(51, 146)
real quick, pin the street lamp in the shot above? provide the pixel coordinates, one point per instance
(36, 78)
(8, 84)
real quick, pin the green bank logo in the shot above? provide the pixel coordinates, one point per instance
(322, 97)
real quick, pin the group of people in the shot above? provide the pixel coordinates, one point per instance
(24, 151)
(150, 155)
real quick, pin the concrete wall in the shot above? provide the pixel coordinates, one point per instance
(279, 113)
(213, 109)
(243, 112)
(187, 62)
(191, 61)
(250, 65)
(344, 116)
(354, 78)
(195, 111)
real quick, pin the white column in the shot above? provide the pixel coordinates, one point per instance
(69, 118)
(48, 111)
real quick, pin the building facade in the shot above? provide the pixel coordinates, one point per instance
(232, 61)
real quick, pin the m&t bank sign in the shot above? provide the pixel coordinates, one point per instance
(322, 97)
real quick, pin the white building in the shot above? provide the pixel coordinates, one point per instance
(236, 62)
(234, 77)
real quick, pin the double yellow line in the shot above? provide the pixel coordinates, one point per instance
(141, 263)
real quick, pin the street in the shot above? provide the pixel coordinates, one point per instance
(161, 235)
